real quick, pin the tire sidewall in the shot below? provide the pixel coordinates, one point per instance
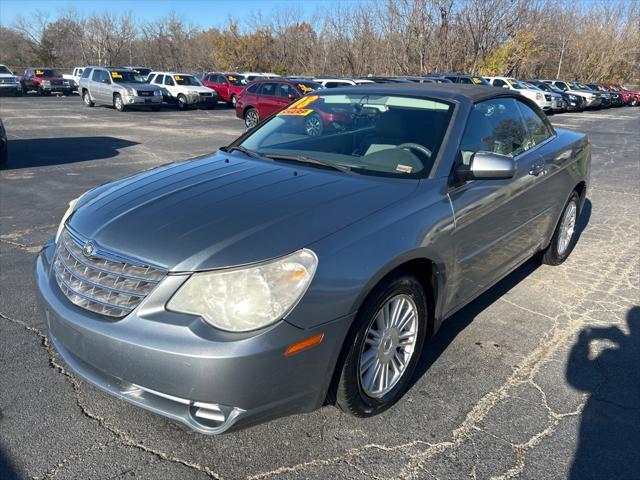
(553, 254)
(350, 385)
(116, 103)
(182, 102)
(251, 111)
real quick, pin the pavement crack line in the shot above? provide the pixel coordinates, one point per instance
(124, 438)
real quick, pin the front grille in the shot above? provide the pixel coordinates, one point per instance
(145, 93)
(7, 80)
(205, 94)
(98, 283)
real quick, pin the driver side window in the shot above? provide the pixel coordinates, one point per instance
(494, 126)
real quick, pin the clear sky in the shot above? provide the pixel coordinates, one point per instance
(205, 13)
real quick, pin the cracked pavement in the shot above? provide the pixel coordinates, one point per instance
(537, 378)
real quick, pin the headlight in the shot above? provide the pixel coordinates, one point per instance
(65, 217)
(65, 82)
(46, 83)
(247, 298)
(157, 93)
(573, 97)
(130, 90)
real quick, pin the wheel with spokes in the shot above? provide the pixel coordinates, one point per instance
(391, 328)
(565, 235)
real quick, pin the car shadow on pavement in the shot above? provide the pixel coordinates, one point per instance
(455, 324)
(7, 469)
(609, 435)
(40, 152)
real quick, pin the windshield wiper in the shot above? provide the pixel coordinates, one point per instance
(312, 161)
(239, 148)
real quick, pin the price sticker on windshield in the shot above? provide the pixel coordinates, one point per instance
(116, 75)
(303, 102)
(304, 88)
(476, 80)
(511, 82)
(178, 78)
(300, 112)
(231, 78)
(39, 72)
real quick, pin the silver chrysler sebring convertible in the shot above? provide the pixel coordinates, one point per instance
(307, 262)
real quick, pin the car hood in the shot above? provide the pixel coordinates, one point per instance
(138, 86)
(227, 210)
(199, 89)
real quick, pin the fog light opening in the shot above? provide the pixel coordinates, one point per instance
(208, 414)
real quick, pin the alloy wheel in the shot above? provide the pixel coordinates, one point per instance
(389, 345)
(567, 227)
(313, 126)
(251, 119)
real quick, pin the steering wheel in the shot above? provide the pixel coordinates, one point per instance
(416, 147)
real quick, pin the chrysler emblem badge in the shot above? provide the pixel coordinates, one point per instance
(88, 249)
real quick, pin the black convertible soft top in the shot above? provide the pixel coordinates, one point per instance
(445, 91)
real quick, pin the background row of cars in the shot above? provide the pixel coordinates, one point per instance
(127, 86)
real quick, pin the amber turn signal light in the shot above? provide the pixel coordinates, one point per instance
(304, 344)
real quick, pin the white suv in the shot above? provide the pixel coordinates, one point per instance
(9, 82)
(183, 89)
(536, 95)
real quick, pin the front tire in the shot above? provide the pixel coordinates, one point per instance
(182, 102)
(565, 235)
(390, 330)
(232, 101)
(118, 103)
(87, 99)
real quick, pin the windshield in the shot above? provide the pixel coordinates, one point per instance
(237, 80)
(518, 85)
(4, 69)
(369, 134)
(142, 71)
(127, 76)
(480, 81)
(187, 80)
(45, 72)
(306, 87)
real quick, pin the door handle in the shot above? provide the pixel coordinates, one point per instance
(537, 169)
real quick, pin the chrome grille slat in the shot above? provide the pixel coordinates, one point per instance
(76, 252)
(101, 282)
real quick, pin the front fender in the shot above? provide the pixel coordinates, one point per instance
(352, 261)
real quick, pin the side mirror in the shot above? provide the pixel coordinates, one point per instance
(487, 166)
(292, 96)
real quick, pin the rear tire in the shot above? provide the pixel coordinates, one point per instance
(565, 235)
(118, 103)
(251, 118)
(233, 101)
(390, 330)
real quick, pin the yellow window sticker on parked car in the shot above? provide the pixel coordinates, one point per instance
(178, 78)
(476, 80)
(232, 78)
(116, 75)
(300, 112)
(403, 168)
(304, 88)
(511, 82)
(304, 101)
(39, 72)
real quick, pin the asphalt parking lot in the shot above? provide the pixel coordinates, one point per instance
(537, 379)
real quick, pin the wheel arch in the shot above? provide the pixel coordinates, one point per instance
(430, 274)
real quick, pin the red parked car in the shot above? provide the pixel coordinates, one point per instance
(632, 96)
(45, 81)
(229, 85)
(262, 98)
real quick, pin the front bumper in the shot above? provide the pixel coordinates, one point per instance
(140, 100)
(200, 100)
(179, 367)
(10, 88)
